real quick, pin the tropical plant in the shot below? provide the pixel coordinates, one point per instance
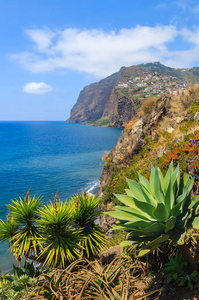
(59, 239)
(17, 285)
(56, 233)
(158, 210)
(85, 213)
(20, 228)
(177, 268)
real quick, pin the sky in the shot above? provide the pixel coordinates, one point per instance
(50, 50)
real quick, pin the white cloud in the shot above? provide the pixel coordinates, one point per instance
(37, 88)
(191, 36)
(100, 53)
(42, 38)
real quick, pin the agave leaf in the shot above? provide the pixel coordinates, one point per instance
(195, 223)
(160, 212)
(129, 193)
(161, 179)
(136, 190)
(182, 220)
(170, 223)
(177, 209)
(194, 201)
(126, 200)
(179, 235)
(134, 225)
(168, 176)
(145, 207)
(156, 185)
(181, 198)
(188, 187)
(126, 243)
(148, 196)
(122, 215)
(135, 211)
(159, 240)
(175, 176)
(154, 228)
(153, 244)
(185, 204)
(167, 197)
(144, 182)
(186, 177)
(144, 252)
(141, 223)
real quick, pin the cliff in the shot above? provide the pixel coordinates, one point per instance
(165, 129)
(92, 99)
(115, 100)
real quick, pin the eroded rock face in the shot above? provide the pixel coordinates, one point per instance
(132, 141)
(92, 100)
(196, 116)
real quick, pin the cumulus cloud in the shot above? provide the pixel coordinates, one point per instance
(37, 88)
(97, 52)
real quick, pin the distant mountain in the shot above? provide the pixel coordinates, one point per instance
(113, 101)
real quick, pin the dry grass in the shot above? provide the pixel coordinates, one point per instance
(147, 106)
(130, 124)
(189, 96)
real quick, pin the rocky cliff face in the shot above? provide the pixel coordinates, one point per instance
(115, 100)
(92, 100)
(164, 130)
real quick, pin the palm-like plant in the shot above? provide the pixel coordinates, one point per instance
(59, 239)
(85, 212)
(20, 229)
(158, 210)
(8, 230)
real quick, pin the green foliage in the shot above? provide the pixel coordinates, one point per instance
(101, 122)
(108, 161)
(20, 227)
(56, 233)
(157, 210)
(17, 285)
(85, 212)
(59, 239)
(176, 265)
(177, 268)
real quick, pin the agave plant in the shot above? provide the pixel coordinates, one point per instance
(20, 228)
(158, 210)
(59, 239)
(85, 212)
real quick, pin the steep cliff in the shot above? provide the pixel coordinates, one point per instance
(114, 101)
(164, 129)
(92, 100)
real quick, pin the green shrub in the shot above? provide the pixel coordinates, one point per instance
(158, 210)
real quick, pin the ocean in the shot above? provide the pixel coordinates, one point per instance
(46, 156)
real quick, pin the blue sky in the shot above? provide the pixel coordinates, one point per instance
(49, 50)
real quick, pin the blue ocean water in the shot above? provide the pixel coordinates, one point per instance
(46, 156)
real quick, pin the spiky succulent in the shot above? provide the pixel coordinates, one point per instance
(157, 210)
(59, 239)
(20, 228)
(85, 212)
